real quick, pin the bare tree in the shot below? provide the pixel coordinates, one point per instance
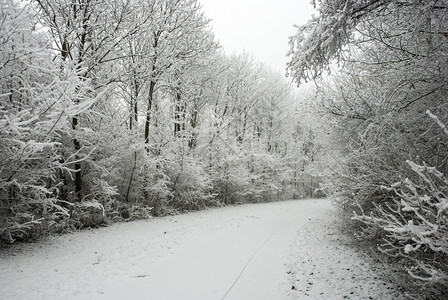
(393, 68)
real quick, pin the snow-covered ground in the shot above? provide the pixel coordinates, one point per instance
(325, 265)
(282, 250)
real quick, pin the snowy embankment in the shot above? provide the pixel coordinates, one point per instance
(282, 250)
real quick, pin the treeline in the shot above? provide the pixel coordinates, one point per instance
(388, 105)
(117, 110)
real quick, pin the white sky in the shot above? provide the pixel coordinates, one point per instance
(260, 27)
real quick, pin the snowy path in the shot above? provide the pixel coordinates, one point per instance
(262, 251)
(247, 262)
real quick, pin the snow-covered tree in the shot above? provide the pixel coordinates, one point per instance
(392, 58)
(415, 223)
(115, 110)
(37, 100)
(86, 36)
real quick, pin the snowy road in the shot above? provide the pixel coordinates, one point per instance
(282, 250)
(247, 262)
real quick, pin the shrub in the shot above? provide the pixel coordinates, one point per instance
(413, 225)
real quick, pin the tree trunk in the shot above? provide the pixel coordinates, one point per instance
(152, 85)
(132, 177)
(78, 174)
(177, 114)
(193, 123)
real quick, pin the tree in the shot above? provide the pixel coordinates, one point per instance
(116, 110)
(87, 34)
(393, 68)
(36, 102)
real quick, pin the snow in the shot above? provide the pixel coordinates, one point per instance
(325, 265)
(255, 251)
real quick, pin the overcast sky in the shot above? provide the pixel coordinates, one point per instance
(260, 27)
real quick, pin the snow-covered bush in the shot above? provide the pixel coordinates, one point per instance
(191, 185)
(39, 93)
(250, 178)
(31, 119)
(99, 121)
(156, 191)
(392, 67)
(232, 181)
(413, 224)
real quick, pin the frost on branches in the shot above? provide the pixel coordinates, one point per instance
(36, 98)
(393, 67)
(119, 110)
(415, 223)
(330, 36)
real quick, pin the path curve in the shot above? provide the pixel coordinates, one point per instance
(246, 262)
(282, 250)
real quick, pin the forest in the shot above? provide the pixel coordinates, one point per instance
(382, 73)
(113, 111)
(120, 110)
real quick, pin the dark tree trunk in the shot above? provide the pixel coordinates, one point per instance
(179, 114)
(81, 54)
(131, 178)
(152, 85)
(193, 123)
(78, 174)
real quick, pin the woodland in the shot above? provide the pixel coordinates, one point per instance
(120, 110)
(382, 72)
